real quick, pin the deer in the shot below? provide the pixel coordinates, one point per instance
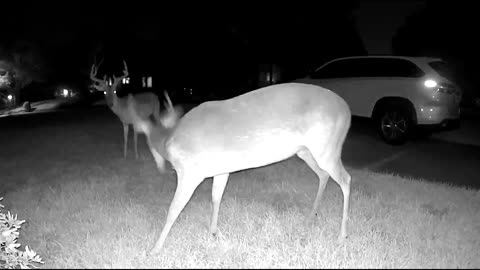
(255, 129)
(146, 104)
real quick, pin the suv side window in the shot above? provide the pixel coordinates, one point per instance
(368, 67)
(384, 67)
(338, 69)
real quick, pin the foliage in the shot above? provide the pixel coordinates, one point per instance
(10, 256)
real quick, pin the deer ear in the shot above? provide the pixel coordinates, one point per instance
(179, 111)
(171, 116)
(98, 87)
(168, 121)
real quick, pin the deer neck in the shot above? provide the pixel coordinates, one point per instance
(118, 106)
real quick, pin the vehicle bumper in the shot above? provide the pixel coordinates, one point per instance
(437, 115)
(447, 124)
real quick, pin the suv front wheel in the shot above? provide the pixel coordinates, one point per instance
(394, 125)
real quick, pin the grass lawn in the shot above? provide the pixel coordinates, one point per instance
(87, 207)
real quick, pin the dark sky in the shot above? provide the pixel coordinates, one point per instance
(377, 21)
(196, 36)
(201, 27)
(165, 23)
(162, 35)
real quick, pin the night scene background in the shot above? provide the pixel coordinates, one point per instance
(86, 205)
(221, 51)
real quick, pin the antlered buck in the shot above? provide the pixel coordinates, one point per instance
(251, 130)
(146, 104)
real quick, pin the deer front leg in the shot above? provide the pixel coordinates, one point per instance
(159, 160)
(186, 185)
(218, 187)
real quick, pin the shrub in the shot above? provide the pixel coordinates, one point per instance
(10, 256)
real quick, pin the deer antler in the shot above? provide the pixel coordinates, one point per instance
(93, 73)
(116, 79)
(168, 104)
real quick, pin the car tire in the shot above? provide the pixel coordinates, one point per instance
(394, 124)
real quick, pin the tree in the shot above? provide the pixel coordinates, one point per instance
(25, 63)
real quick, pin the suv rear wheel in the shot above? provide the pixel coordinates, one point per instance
(394, 123)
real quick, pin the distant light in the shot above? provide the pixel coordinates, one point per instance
(104, 92)
(430, 83)
(149, 82)
(65, 92)
(10, 97)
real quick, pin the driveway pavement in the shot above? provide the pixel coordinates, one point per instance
(450, 156)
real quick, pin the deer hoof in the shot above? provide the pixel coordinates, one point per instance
(153, 252)
(342, 238)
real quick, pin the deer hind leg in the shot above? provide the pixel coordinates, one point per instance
(125, 140)
(218, 187)
(338, 173)
(307, 156)
(343, 178)
(186, 185)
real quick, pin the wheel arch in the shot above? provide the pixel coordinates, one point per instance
(387, 102)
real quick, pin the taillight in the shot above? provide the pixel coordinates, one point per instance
(430, 83)
(442, 87)
(448, 88)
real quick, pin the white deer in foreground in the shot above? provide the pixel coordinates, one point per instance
(251, 130)
(146, 104)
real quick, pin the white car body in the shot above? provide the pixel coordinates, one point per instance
(433, 105)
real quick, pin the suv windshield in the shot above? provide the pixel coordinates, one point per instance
(442, 68)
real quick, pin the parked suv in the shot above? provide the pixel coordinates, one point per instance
(401, 94)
